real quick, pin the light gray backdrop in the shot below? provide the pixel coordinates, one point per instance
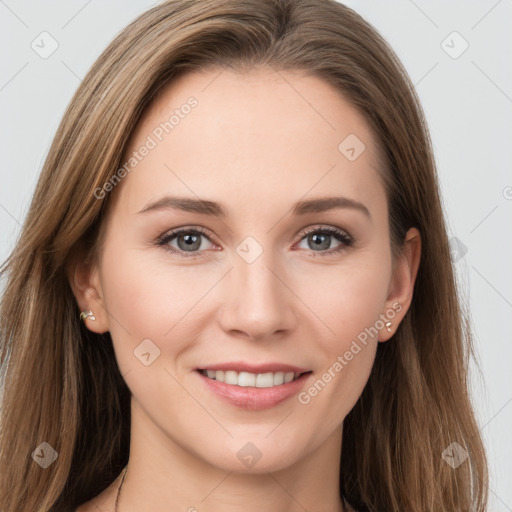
(458, 56)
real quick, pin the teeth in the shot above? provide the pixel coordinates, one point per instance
(278, 378)
(246, 379)
(288, 377)
(231, 377)
(265, 380)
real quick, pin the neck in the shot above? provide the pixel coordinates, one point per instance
(162, 474)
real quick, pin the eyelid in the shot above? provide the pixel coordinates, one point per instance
(324, 228)
(185, 229)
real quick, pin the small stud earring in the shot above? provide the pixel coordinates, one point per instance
(87, 314)
(388, 325)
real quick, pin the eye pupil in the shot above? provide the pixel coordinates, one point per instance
(190, 240)
(319, 239)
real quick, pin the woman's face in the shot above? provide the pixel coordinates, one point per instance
(283, 267)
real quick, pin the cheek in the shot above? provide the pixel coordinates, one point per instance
(347, 298)
(150, 297)
(349, 304)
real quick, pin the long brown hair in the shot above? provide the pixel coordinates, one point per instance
(62, 383)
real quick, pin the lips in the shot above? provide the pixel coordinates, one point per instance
(253, 387)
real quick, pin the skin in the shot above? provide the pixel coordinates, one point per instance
(256, 145)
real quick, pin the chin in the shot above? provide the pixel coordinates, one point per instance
(255, 454)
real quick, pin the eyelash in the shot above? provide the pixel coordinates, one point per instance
(343, 237)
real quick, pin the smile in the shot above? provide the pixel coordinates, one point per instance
(247, 379)
(264, 387)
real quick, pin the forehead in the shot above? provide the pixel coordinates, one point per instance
(261, 131)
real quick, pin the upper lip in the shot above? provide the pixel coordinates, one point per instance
(254, 368)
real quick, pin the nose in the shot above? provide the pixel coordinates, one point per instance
(257, 303)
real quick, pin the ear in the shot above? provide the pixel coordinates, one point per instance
(84, 278)
(401, 287)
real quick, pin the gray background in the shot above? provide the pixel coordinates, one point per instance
(467, 98)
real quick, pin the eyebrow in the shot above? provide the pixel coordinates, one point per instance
(206, 207)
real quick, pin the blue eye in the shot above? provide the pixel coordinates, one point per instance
(190, 241)
(319, 236)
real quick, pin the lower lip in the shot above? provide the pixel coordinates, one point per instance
(252, 398)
